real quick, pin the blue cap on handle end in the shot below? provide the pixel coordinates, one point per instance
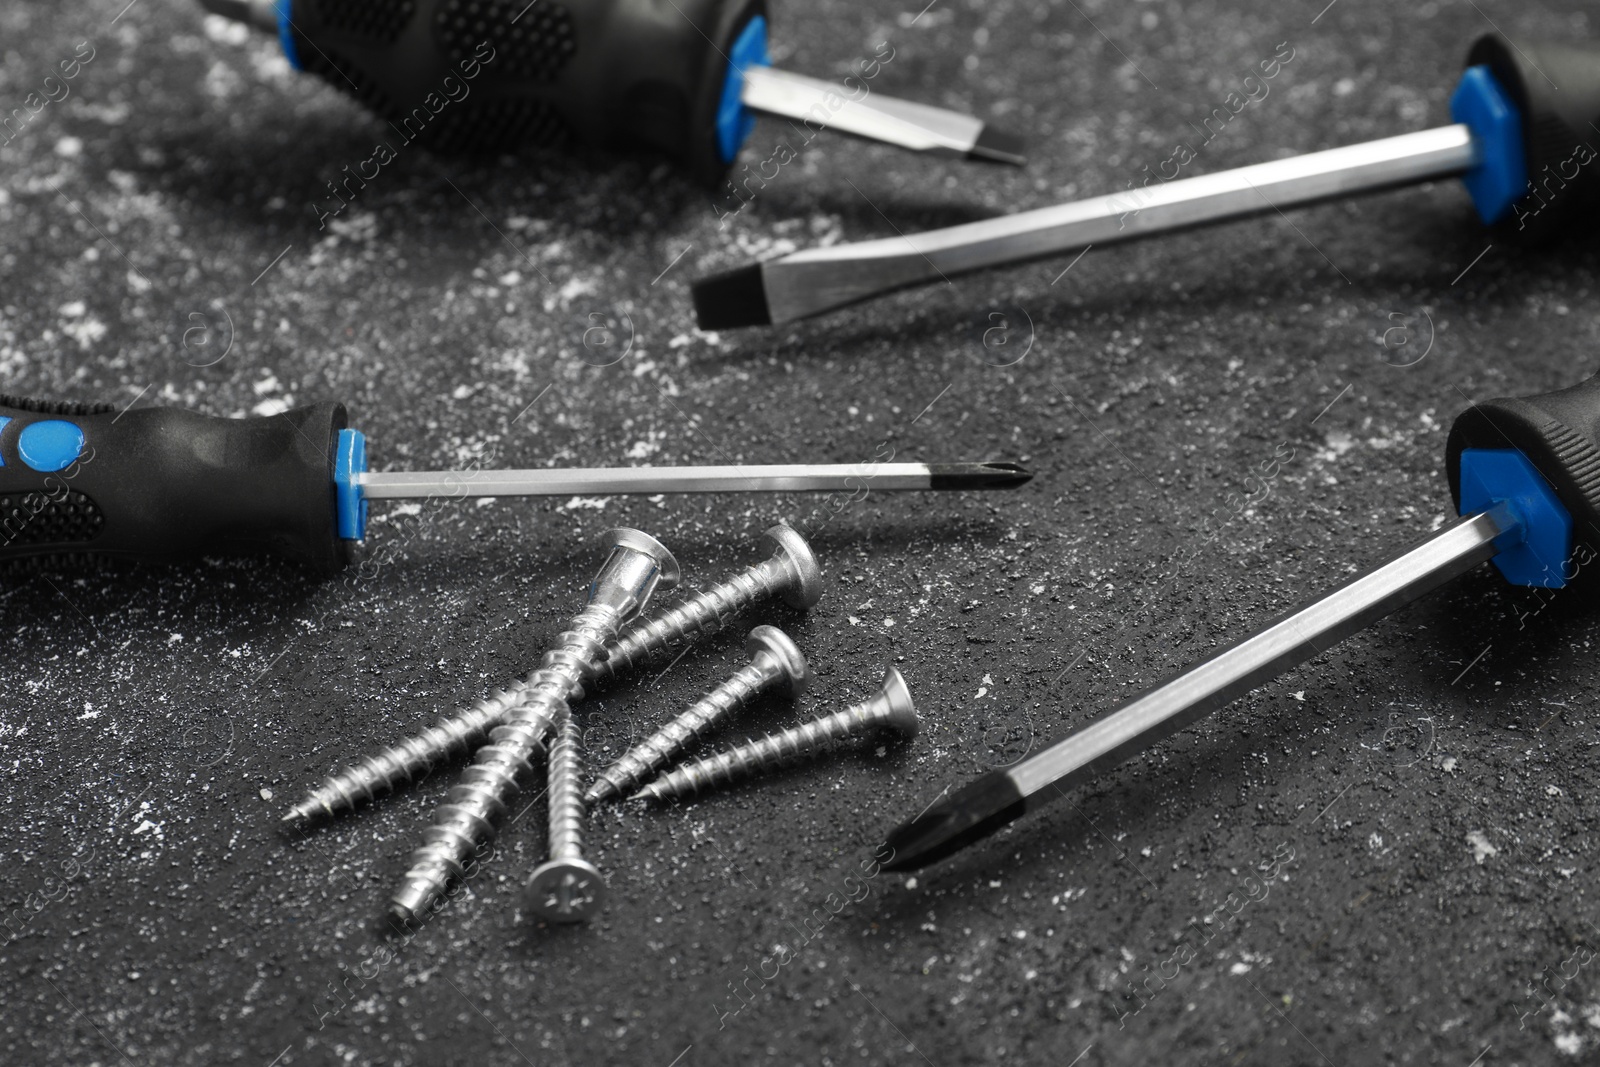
(1501, 177)
(1537, 552)
(286, 33)
(734, 120)
(350, 502)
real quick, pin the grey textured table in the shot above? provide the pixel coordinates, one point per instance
(1424, 793)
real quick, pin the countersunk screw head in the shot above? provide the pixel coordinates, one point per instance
(899, 712)
(566, 890)
(783, 540)
(635, 568)
(781, 647)
(639, 541)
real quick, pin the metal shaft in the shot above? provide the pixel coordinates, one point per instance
(1293, 639)
(608, 481)
(817, 104)
(790, 571)
(260, 14)
(816, 280)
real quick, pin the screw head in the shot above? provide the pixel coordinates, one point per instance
(784, 540)
(900, 713)
(640, 541)
(566, 891)
(781, 647)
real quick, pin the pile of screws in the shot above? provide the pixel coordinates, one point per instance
(509, 730)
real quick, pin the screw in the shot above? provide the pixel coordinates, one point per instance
(891, 707)
(790, 571)
(773, 659)
(566, 888)
(635, 567)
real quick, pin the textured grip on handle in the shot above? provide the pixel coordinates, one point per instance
(1558, 433)
(1556, 91)
(162, 483)
(495, 75)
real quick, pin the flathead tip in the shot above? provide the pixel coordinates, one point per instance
(998, 146)
(731, 300)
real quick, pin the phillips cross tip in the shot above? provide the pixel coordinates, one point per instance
(1525, 475)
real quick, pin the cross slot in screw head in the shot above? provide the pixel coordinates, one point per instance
(566, 891)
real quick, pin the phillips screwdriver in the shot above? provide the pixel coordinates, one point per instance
(163, 483)
(684, 78)
(1525, 476)
(1520, 144)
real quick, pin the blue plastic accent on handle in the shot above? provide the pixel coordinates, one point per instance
(350, 502)
(1538, 552)
(734, 120)
(1501, 177)
(3, 420)
(51, 445)
(286, 33)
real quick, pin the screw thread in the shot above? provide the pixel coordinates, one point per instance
(704, 612)
(644, 760)
(405, 762)
(475, 806)
(412, 758)
(763, 755)
(566, 793)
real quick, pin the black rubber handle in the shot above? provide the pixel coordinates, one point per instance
(1559, 433)
(494, 75)
(1556, 90)
(164, 484)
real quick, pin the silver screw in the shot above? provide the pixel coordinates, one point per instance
(635, 567)
(890, 707)
(773, 659)
(790, 571)
(566, 888)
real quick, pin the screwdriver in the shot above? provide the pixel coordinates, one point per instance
(1525, 476)
(164, 483)
(1517, 142)
(684, 78)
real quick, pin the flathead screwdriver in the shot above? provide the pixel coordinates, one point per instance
(1523, 141)
(1525, 475)
(163, 483)
(684, 78)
